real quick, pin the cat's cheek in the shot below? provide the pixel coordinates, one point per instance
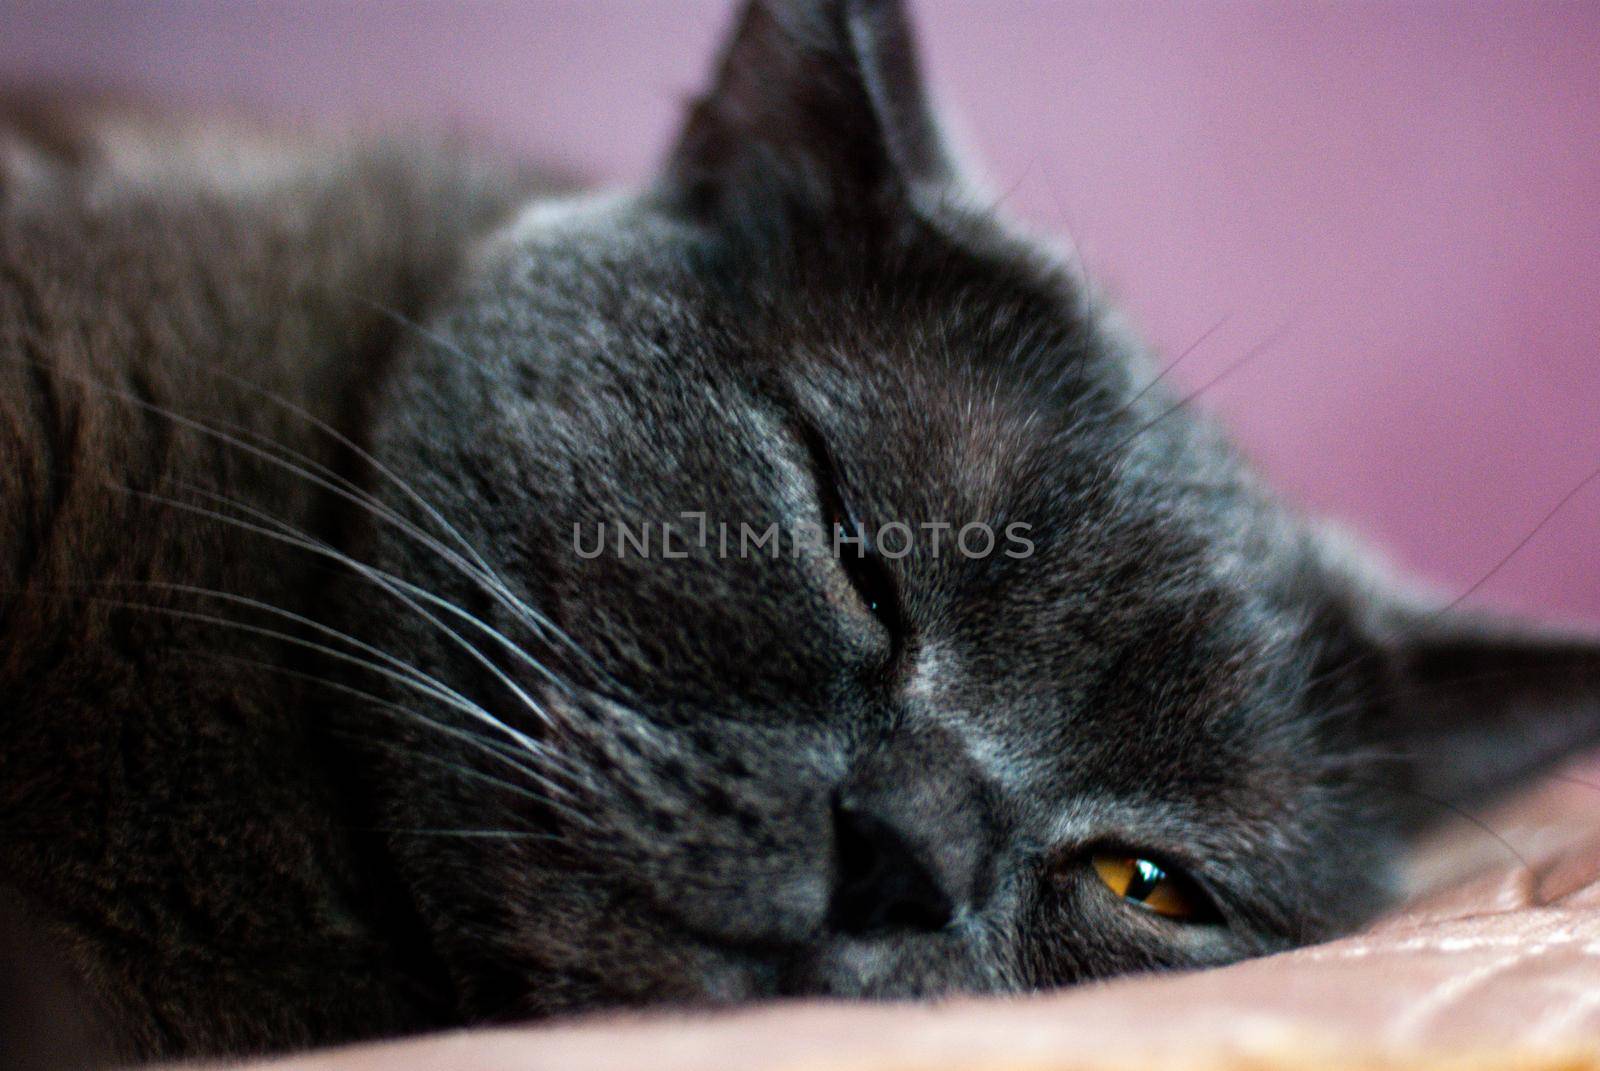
(1100, 934)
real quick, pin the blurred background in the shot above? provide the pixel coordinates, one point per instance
(1410, 189)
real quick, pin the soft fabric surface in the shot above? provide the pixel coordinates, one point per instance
(1494, 963)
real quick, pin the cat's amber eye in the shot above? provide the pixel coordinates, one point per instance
(1151, 886)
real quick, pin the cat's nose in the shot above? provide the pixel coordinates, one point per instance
(884, 882)
(912, 838)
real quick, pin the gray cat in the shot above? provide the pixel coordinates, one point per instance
(420, 609)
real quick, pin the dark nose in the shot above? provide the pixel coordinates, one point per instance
(912, 838)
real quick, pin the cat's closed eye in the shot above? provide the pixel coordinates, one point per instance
(850, 542)
(867, 572)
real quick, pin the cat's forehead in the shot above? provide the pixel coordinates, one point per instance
(946, 384)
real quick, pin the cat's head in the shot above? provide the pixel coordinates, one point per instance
(1090, 700)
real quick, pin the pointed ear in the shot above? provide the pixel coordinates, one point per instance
(1468, 706)
(817, 110)
(1480, 706)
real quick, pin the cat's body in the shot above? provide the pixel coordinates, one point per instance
(271, 419)
(158, 795)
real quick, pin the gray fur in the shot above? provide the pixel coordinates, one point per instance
(625, 780)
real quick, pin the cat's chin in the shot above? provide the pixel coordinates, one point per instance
(887, 967)
(844, 969)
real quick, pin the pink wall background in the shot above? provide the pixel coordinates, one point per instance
(1412, 188)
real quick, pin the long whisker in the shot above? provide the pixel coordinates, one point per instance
(1356, 662)
(405, 487)
(455, 769)
(1460, 812)
(339, 486)
(298, 537)
(408, 714)
(466, 772)
(1544, 521)
(399, 711)
(1250, 356)
(377, 577)
(405, 675)
(526, 742)
(1365, 760)
(319, 475)
(1173, 364)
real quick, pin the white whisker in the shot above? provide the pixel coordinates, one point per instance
(403, 712)
(382, 579)
(406, 675)
(312, 472)
(298, 537)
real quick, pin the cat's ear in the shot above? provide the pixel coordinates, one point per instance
(816, 111)
(1458, 707)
